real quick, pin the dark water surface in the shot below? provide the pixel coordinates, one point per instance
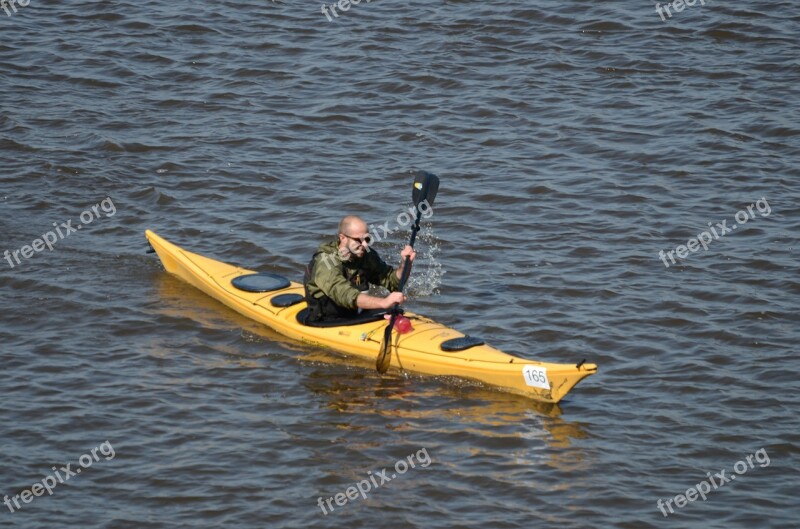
(574, 140)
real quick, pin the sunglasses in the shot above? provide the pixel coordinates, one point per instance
(366, 240)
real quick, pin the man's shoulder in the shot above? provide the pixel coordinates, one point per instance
(328, 247)
(328, 253)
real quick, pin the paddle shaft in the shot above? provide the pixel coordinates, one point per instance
(384, 357)
(426, 186)
(407, 263)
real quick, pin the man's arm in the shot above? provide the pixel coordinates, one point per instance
(333, 284)
(385, 275)
(365, 301)
(331, 281)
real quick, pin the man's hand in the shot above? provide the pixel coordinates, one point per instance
(391, 299)
(409, 252)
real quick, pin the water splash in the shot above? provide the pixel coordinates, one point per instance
(427, 274)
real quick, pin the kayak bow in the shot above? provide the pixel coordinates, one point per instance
(431, 348)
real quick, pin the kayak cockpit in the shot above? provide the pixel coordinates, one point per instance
(365, 316)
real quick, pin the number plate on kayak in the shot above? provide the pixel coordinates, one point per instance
(536, 376)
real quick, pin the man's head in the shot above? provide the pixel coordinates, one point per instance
(354, 238)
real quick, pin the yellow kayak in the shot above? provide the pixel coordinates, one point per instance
(430, 348)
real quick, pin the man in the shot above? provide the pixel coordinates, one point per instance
(341, 271)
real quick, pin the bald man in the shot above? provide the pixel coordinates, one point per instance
(340, 272)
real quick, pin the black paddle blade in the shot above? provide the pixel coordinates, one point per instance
(426, 185)
(384, 359)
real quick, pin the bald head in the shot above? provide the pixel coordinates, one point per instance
(352, 224)
(354, 239)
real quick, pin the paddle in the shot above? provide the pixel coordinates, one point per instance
(426, 185)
